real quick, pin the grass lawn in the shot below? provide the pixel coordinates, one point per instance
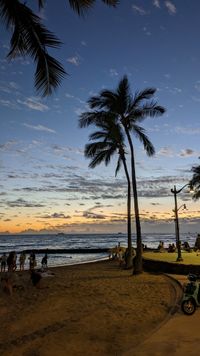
(189, 258)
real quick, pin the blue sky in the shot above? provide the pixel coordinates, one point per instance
(46, 185)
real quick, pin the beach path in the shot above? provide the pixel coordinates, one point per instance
(179, 336)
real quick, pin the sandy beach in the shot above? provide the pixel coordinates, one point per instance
(90, 309)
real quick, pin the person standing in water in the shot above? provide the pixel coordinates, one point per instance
(22, 259)
(3, 260)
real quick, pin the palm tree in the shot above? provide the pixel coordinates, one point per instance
(31, 38)
(107, 141)
(130, 110)
(195, 182)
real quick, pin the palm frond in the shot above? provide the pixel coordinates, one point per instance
(41, 3)
(112, 129)
(195, 182)
(152, 109)
(124, 95)
(98, 135)
(48, 75)
(145, 94)
(141, 112)
(111, 2)
(35, 37)
(196, 171)
(80, 6)
(91, 149)
(6, 11)
(32, 38)
(110, 142)
(98, 159)
(93, 118)
(118, 167)
(101, 156)
(139, 132)
(196, 195)
(107, 99)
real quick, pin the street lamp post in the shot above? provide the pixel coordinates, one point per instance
(178, 243)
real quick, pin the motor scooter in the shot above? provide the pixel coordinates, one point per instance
(191, 296)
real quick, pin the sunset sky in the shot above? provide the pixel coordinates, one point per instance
(45, 183)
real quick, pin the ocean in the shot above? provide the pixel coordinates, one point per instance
(80, 241)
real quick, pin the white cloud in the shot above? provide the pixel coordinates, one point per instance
(8, 103)
(33, 103)
(74, 60)
(8, 145)
(170, 7)
(197, 85)
(61, 150)
(83, 43)
(167, 75)
(21, 60)
(13, 85)
(113, 72)
(39, 128)
(156, 3)
(194, 98)
(187, 152)
(6, 46)
(177, 90)
(148, 33)
(69, 96)
(139, 10)
(8, 87)
(188, 130)
(166, 151)
(79, 111)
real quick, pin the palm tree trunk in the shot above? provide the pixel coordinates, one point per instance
(129, 260)
(138, 267)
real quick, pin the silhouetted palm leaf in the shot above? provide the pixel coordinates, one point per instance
(145, 94)
(31, 38)
(106, 99)
(138, 114)
(118, 167)
(41, 3)
(111, 2)
(123, 96)
(195, 182)
(80, 6)
(92, 118)
(48, 74)
(139, 132)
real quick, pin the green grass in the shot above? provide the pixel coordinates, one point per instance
(189, 258)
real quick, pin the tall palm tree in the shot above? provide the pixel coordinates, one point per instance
(195, 182)
(31, 38)
(130, 110)
(108, 141)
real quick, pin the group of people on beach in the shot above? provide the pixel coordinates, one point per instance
(185, 246)
(10, 261)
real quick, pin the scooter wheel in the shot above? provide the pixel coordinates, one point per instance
(188, 306)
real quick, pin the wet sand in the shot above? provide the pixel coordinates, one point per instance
(90, 309)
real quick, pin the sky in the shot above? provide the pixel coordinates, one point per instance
(45, 183)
